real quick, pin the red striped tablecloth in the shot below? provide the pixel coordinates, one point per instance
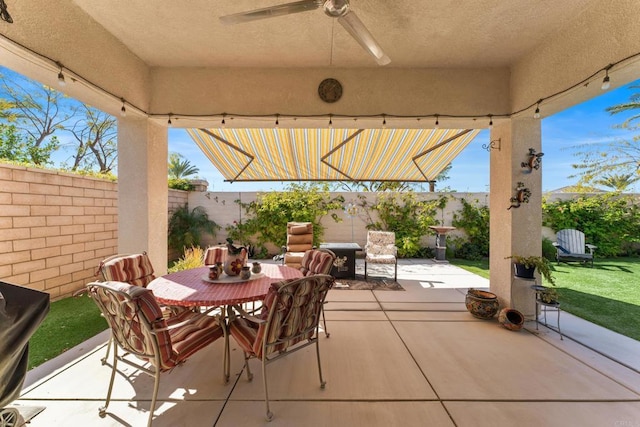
(186, 288)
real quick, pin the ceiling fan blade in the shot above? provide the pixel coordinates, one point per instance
(356, 28)
(270, 12)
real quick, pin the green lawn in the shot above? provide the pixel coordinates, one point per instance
(607, 294)
(69, 322)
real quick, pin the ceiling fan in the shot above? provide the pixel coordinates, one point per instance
(338, 9)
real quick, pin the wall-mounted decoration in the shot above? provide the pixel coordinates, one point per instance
(493, 145)
(522, 196)
(534, 162)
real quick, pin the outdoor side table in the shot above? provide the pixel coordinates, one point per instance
(344, 267)
(544, 307)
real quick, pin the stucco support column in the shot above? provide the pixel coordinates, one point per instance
(515, 231)
(143, 193)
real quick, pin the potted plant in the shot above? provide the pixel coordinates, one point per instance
(548, 296)
(525, 267)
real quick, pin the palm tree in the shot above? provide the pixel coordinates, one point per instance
(180, 168)
(186, 227)
(619, 182)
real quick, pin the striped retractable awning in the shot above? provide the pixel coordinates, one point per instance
(410, 155)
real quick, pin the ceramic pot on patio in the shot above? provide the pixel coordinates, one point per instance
(481, 304)
(511, 319)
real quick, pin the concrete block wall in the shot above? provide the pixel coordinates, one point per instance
(55, 228)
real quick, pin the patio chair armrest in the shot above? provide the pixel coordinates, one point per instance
(556, 244)
(591, 247)
(186, 322)
(250, 317)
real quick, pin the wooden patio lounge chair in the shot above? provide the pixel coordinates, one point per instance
(570, 246)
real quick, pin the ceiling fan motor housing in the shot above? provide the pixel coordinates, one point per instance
(336, 8)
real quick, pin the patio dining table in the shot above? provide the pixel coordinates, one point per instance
(192, 288)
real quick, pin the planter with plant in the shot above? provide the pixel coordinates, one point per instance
(525, 267)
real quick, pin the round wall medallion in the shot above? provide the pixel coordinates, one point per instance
(330, 90)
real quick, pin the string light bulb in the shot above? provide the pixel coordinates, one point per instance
(330, 122)
(490, 121)
(437, 124)
(277, 120)
(384, 121)
(536, 115)
(123, 110)
(223, 123)
(61, 80)
(169, 121)
(606, 82)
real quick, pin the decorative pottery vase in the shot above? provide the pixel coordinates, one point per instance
(215, 272)
(234, 262)
(481, 304)
(511, 319)
(245, 273)
(257, 268)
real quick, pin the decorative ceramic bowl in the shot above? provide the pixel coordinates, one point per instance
(511, 319)
(481, 304)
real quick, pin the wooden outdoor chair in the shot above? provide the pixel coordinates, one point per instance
(288, 322)
(139, 329)
(570, 246)
(381, 249)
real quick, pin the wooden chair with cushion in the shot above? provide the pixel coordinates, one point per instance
(139, 328)
(288, 322)
(381, 249)
(299, 240)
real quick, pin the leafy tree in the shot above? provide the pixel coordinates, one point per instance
(95, 137)
(186, 227)
(37, 112)
(180, 168)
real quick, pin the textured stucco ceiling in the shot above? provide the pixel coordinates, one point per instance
(414, 34)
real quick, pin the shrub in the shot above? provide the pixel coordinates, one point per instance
(610, 221)
(268, 215)
(186, 227)
(193, 258)
(474, 220)
(405, 215)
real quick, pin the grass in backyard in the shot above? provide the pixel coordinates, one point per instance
(70, 321)
(606, 294)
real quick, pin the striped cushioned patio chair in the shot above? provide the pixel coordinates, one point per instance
(318, 261)
(289, 322)
(139, 328)
(570, 246)
(135, 269)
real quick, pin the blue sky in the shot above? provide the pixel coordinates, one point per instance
(586, 123)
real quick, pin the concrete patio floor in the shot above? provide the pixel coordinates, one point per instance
(413, 358)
